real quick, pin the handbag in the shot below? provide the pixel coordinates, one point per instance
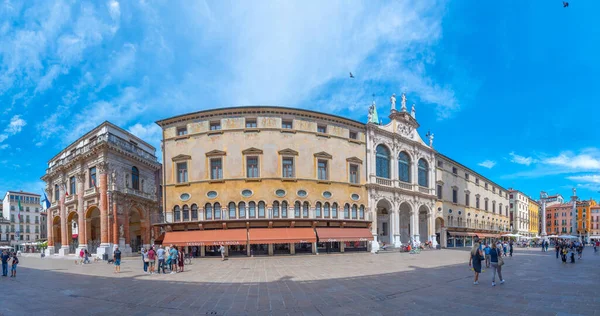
(500, 260)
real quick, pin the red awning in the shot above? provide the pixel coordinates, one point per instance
(206, 237)
(343, 234)
(281, 235)
(74, 236)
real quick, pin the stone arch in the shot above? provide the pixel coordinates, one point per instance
(136, 230)
(92, 228)
(383, 209)
(383, 161)
(405, 211)
(439, 231)
(56, 232)
(72, 230)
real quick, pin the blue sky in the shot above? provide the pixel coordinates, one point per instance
(510, 90)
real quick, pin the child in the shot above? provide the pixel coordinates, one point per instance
(563, 255)
(15, 262)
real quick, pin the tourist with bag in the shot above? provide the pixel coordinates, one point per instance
(497, 263)
(145, 259)
(475, 260)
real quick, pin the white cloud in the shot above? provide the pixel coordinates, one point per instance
(4, 146)
(46, 81)
(590, 178)
(521, 160)
(3, 137)
(583, 161)
(115, 10)
(16, 125)
(487, 164)
(150, 133)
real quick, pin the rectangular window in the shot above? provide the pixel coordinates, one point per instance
(182, 172)
(486, 186)
(181, 131)
(454, 196)
(467, 199)
(486, 205)
(476, 180)
(440, 163)
(252, 167)
(353, 173)
(92, 173)
(476, 202)
(321, 129)
(353, 135)
(288, 167)
(439, 191)
(454, 170)
(72, 186)
(466, 176)
(251, 123)
(215, 126)
(216, 168)
(286, 124)
(322, 169)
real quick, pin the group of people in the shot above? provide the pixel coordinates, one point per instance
(568, 250)
(492, 255)
(545, 244)
(84, 256)
(168, 258)
(7, 256)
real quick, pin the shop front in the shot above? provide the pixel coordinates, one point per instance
(208, 241)
(461, 239)
(271, 241)
(331, 240)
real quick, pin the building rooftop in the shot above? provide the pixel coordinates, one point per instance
(22, 192)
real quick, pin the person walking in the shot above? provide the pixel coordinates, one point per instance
(504, 248)
(151, 259)
(13, 269)
(161, 259)
(222, 251)
(117, 259)
(145, 260)
(557, 247)
(86, 258)
(475, 261)
(487, 250)
(81, 256)
(4, 256)
(173, 256)
(180, 259)
(496, 262)
(510, 247)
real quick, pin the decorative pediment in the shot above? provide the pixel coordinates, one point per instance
(288, 152)
(354, 160)
(181, 157)
(215, 152)
(252, 151)
(323, 154)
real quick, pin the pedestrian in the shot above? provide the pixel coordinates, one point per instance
(180, 259)
(117, 259)
(161, 259)
(13, 269)
(504, 248)
(81, 256)
(497, 262)
(86, 256)
(563, 254)
(475, 260)
(173, 257)
(557, 247)
(222, 251)
(596, 245)
(487, 250)
(145, 259)
(4, 256)
(510, 247)
(151, 259)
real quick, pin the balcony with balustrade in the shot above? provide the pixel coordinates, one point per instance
(401, 185)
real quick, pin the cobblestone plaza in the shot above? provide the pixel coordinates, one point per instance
(431, 283)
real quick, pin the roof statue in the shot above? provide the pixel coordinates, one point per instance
(403, 102)
(393, 102)
(431, 140)
(373, 117)
(413, 112)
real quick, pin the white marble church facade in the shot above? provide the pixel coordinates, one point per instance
(401, 178)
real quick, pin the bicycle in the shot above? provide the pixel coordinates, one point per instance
(188, 260)
(416, 250)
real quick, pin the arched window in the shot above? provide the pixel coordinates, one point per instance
(346, 211)
(135, 178)
(208, 211)
(305, 210)
(284, 209)
(232, 210)
(177, 213)
(252, 210)
(361, 213)
(423, 173)
(217, 210)
(354, 211)
(404, 167)
(382, 162)
(334, 209)
(261, 209)
(275, 209)
(297, 207)
(242, 209)
(194, 212)
(326, 210)
(318, 210)
(186, 213)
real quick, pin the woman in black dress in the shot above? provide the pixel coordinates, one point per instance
(475, 261)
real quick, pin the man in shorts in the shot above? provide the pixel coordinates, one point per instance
(117, 259)
(13, 269)
(151, 259)
(161, 259)
(173, 257)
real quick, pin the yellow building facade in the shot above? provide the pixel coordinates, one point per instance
(584, 216)
(251, 168)
(534, 218)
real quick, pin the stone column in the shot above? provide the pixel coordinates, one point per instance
(270, 247)
(374, 243)
(64, 239)
(103, 187)
(395, 223)
(574, 213)
(115, 223)
(49, 227)
(414, 226)
(80, 213)
(431, 218)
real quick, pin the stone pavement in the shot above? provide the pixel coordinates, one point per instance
(435, 282)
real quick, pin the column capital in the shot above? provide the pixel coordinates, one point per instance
(103, 167)
(80, 177)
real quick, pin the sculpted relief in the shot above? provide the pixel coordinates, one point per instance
(405, 130)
